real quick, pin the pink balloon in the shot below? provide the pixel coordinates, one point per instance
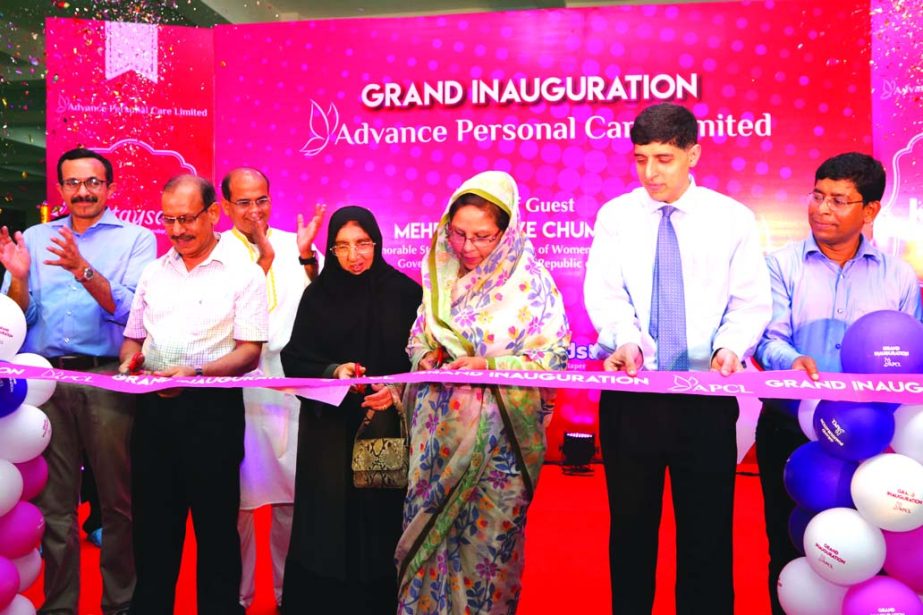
(19, 606)
(904, 557)
(29, 567)
(881, 595)
(9, 582)
(21, 530)
(34, 476)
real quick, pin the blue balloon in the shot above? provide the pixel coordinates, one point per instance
(883, 342)
(853, 430)
(818, 481)
(797, 522)
(12, 394)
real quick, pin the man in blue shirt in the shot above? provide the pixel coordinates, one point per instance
(75, 280)
(820, 286)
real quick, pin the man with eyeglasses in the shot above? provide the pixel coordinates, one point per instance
(198, 311)
(75, 278)
(821, 285)
(290, 261)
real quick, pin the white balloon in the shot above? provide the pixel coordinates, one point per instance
(19, 606)
(806, 417)
(12, 327)
(888, 492)
(10, 486)
(39, 391)
(842, 547)
(29, 567)
(908, 431)
(24, 434)
(803, 592)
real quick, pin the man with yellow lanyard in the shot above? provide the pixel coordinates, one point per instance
(290, 261)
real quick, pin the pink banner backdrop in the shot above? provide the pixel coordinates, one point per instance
(393, 114)
(897, 95)
(141, 95)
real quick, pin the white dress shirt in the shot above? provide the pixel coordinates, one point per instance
(193, 317)
(725, 280)
(267, 474)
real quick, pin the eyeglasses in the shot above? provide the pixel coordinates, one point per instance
(835, 202)
(183, 220)
(458, 238)
(92, 184)
(363, 248)
(261, 202)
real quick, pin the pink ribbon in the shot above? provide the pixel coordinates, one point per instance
(895, 388)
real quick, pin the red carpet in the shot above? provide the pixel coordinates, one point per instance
(566, 559)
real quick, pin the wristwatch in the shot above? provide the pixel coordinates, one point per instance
(88, 274)
(198, 371)
(311, 260)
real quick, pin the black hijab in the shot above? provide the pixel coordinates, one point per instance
(345, 317)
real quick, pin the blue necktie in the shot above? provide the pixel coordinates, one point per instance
(668, 304)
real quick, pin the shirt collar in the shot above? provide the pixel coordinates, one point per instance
(683, 203)
(240, 236)
(219, 254)
(866, 249)
(107, 219)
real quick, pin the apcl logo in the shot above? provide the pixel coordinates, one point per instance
(692, 385)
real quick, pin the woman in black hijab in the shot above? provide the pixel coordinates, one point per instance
(354, 319)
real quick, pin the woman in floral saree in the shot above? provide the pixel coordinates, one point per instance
(476, 451)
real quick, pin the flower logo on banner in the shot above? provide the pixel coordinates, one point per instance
(62, 104)
(681, 384)
(131, 47)
(321, 126)
(888, 88)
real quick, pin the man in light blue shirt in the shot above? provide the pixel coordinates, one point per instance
(75, 279)
(820, 286)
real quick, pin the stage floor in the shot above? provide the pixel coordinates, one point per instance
(566, 553)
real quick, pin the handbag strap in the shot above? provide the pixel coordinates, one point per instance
(370, 414)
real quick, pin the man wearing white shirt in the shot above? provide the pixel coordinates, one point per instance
(289, 260)
(675, 281)
(198, 311)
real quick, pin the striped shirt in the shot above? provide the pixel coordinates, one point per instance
(192, 317)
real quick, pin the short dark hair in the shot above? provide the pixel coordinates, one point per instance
(861, 169)
(226, 182)
(206, 189)
(78, 153)
(469, 198)
(667, 123)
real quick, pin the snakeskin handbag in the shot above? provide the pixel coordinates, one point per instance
(381, 463)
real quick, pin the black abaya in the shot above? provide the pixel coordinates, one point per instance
(343, 539)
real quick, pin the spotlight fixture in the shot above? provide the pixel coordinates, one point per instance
(578, 450)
